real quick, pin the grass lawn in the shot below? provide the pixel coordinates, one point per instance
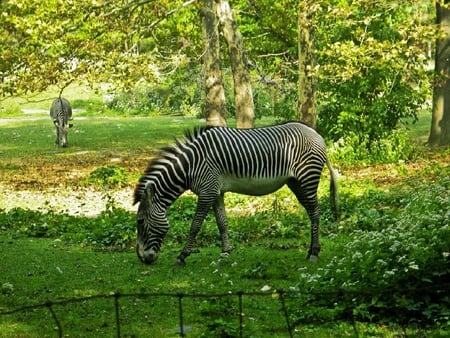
(52, 256)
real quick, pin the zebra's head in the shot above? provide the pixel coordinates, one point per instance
(152, 227)
(62, 127)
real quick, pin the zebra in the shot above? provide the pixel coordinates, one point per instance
(61, 113)
(213, 160)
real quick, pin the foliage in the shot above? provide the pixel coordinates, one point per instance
(110, 176)
(372, 60)
(398, 252)
(224, 310)
(355, 148)
(374, 70)
(11, 109)
(176, 95)
(50, 42)
(89, 107)
(112, 228)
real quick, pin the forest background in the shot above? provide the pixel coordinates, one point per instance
(373, 67)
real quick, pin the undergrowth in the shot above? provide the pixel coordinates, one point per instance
(397, 241)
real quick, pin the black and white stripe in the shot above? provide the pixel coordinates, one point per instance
(61, 113)
(214, 160)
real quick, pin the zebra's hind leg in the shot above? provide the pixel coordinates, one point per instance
(57, 132)
(307, 196)
(222, 224)
(57, 139)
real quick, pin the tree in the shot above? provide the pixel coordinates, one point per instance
(53, 43)
(372, 55)
(440, 122)
(212, 66)
(243, 96)
(373, 70)
(307, 76)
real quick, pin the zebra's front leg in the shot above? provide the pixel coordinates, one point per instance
(203, 207)
(222, 223)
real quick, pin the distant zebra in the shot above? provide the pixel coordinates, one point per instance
(214, 160)
(61, 114)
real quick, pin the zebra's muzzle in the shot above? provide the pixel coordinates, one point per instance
(146, 256)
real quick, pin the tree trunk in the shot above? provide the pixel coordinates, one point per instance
(440, 121)
(215, 107)
(306, 65)
(243, 96)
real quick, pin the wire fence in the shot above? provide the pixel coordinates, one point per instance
(277, 295)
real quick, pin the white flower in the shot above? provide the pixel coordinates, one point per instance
(265, 288)
(7, 287)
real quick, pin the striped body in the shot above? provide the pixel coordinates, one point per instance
(213, 161)
(61, 113)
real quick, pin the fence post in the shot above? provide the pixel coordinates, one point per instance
(49, 306)
(286, 314)
(241, 319)
(116, 305)
(180, 308)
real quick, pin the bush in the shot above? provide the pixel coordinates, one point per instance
(113, 228)
(177, 95)
(372, 78)
(386, 266)
(354, 148)
(111, 176)
(10, 109)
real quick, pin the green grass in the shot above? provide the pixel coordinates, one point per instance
(51, 270)
(269, 253)
(50, 256)
(420, 130)
(57, 271)
(36, 136)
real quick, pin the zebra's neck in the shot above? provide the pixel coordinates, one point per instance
(168, 177)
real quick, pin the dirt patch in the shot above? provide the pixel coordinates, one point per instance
(60, 184)
(80, 201)
(57, 181)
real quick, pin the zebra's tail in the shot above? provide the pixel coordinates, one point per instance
(334, 195)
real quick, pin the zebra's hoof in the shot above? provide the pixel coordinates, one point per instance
(313, 258)
(180, 262)
(224, 255)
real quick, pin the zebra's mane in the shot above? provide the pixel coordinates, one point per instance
(166, 154)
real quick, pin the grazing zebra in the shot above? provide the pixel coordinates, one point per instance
(214, 160)
(61, 113)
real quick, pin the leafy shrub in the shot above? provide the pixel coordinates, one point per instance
(397, 256)
(372, 79)
(176, 95)
(354, 148)
(10, 109)
(134, 102)
(90, 106)
(110, 176)
(114, 227)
